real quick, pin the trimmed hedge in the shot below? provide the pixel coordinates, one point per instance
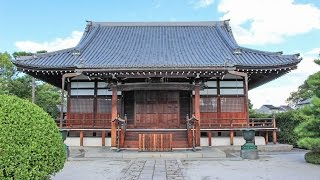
(287, 122)
(312, 157)
(31, 146)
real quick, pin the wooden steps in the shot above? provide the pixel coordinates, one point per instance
(179, 139)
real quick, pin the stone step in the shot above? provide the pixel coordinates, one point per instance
(99, 152)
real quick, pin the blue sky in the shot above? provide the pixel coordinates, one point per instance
(291, 26)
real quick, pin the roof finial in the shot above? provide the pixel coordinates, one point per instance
(227, 25)
(89, 25)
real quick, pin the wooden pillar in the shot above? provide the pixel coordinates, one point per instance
(274, 134)
(103, 138)
(95, 105)
(114, 115)
(189, 132)
(231, 137)
(122, 137)
(218, 100)
(209, 138)
(81, 138)
(190, 137)
(246, 100)
(266, 136)
(197, 112)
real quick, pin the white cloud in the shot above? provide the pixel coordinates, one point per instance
(315, 51)
(201, 3)
(261, 22)
(277, 91)
(56, 44)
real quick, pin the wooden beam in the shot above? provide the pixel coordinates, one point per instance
(155, 86)
(114, 115)
(197, 112)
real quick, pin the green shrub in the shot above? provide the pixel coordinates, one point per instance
(287, 122)
(309, 131)
(255, 114)
(31, 146)
(312, 157)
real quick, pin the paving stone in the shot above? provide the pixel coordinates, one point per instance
(153, 169)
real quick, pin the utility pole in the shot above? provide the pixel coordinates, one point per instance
(33, 90)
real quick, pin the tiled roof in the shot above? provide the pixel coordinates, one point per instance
(271, 106)
(158, 45)
(286, 108)
(306, 101)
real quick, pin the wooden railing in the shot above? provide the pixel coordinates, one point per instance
(261, 122)
(238, 123)
(86, 123)
(205, 123)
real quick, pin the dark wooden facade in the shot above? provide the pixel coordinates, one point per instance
(156, 107)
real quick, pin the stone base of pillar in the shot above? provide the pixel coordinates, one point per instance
(249, 154)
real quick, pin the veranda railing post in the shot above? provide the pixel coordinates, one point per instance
(103, 137)
(274, 135)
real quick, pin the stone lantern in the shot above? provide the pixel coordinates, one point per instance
(249, 149)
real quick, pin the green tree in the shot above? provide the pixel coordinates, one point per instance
(20, 86)
(287, 122)
(7, 71)
(21, 53)
(48, 97)
(309, 130)
(306, 90)
(42, 51)
(31, 146)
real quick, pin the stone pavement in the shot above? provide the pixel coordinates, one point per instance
(156, 169)
(271, 165)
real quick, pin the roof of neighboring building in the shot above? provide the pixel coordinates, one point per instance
(115, 45)
(306, 101)
(270, 106)
(286, 107)
(280, 108)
